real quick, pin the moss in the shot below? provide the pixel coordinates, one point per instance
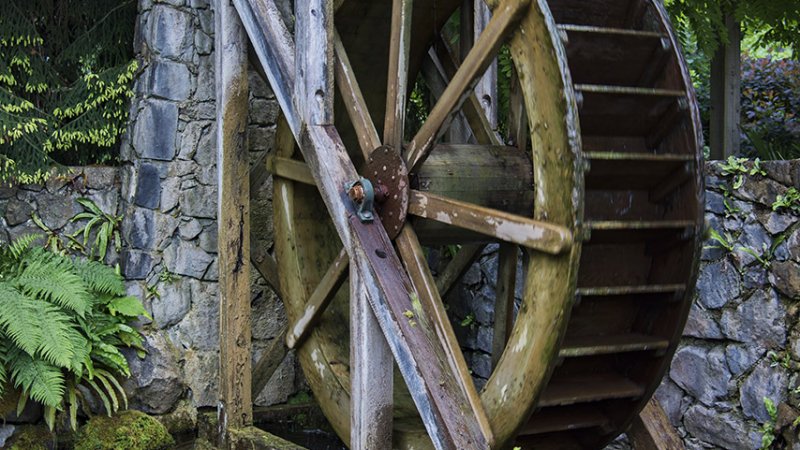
(31, 437)
(252, 437)
(300, 398)
(131, 430)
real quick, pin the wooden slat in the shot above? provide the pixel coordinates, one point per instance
(550, 420)
(441, 404)
(652, 430)
(507, 227)
(632, 171)
(486, 89)
(478, 59)
(271, 358)
(319, 300)
(504, 299)
(618, 231)
(598, 13)
(631, 290)
(399, 48)
(588, 388)
(290, 169)
(235, 407)
(623, 110)
(313, 51)
(371, 374)
(603, 345)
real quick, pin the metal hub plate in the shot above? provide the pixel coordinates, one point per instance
(389, 176)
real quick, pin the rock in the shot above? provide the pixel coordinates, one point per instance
(482, 305)
(715, 203)
(472, 276)
(135, 264)
(761, 320)
(780, 171)
(701, 324)
(755, 277)
(208, 239)
(170, 194)
(199, 329)
(281, 385)
(185, 258)
(794, 347)
(200, 201)
(181, 421)
(170, 80)
(793, 245)
(763, 191)
(140, 229)
(202, 377)
(17, 212)
(6, 431)
(155, 130)
(263, 111)
(755, 239)
(765, 382)
(206, 153)
(267, 316)
(718, 284)
(480, 363)
(156, 383)
(777, 223)
(170, 33)
(702, 373)
(190, 229)
(786, 278)
(670, 397)
(725, 430)
(130, 429)
(57, 210)
(741, 358)
(172, 303)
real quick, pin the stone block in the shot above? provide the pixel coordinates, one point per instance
(200, 201)
(170, 33)
(135, 264)
(701, 324)
(17, 212)
(701, 372)
(186, 258)
(172, 303)
(148, 187)
(202, 377)
(139, 229)
(786, 278)
(725, 430)
(199, 329)
(718, 284)
(155, 385)
(766, 381)
(155, 130)
(761, 320)
(742, 358)
(170, 80)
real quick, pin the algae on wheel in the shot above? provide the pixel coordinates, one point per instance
(601, 156)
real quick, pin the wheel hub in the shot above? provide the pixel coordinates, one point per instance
(388, 174)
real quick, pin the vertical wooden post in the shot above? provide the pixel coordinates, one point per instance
(314, 61)
(371, 366)
(726, 92)
(235, 408)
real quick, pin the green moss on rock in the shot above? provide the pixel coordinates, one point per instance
(31, 437)
(130, 430)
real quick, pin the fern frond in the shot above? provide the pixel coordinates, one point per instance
(52, 280)
(21, 244)
(19, 319)
(100, 278)
(43, 381)
(109, 391)
(111, 378)
(50, 416)
(111, 357)
(56, 344)
(100, 394)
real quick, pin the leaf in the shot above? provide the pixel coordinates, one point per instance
(100, 394)
(109, 390)
(41, 380)
(21, 403)
(73, 408)
(128, 306)
(90, 205)
(116, 384)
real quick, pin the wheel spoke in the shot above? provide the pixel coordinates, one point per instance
(517, 116)
(464, 80)
(504, 300)
(291, 169)
(421, 278)
(534, 234)
(461, 262)
(354, 102)
(443, 60)
(319, 300)
(397, 87)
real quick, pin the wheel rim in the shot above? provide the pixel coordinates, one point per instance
(532, 353)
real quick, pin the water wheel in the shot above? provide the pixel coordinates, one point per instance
(592, 188)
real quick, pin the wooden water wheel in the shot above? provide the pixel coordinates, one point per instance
(592, 188)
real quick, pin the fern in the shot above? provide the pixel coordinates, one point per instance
(42, 381)
(48, 277)
(100, 278)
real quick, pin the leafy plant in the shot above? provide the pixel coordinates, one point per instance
(738, 168)
(768, 428)
(790, 200)
(62, 324)
(107, 229)
(725, 242)
(468, 321)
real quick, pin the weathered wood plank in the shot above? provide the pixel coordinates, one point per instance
(319, 300)
(235, 408)
(726, 85)
(651, 430)
(270, 359)
(313, 52)
(265, 265)
(397, 88)
(290, 169)
(534, 234)
(371, 374)
(504, 301)
(486, 89)
(442, 405)
(464, 80)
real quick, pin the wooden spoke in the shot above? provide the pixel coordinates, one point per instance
(290, 169)
(421, 278)
(354, 102)
(464, 80)
(266, 366)
(465, 257)
(466, 35)
(517, 116)
(319, 300)
(397, 88)
(265, 265)
(504, 301)
(534, 234)
(443, 59)
(486, 89)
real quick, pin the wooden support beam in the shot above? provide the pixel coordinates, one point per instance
(726, 94)
(450, 422)
(271, 358)
(235, 407)
(504, 302)
(652, 430)
(486, 89)
(313, 55)
(371, 374)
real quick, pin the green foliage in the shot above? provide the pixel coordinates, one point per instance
(130, 430)
(62, 324)
(790, 201)
(66, 68)
(107, 229)
(768, 428)
(738, 168)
